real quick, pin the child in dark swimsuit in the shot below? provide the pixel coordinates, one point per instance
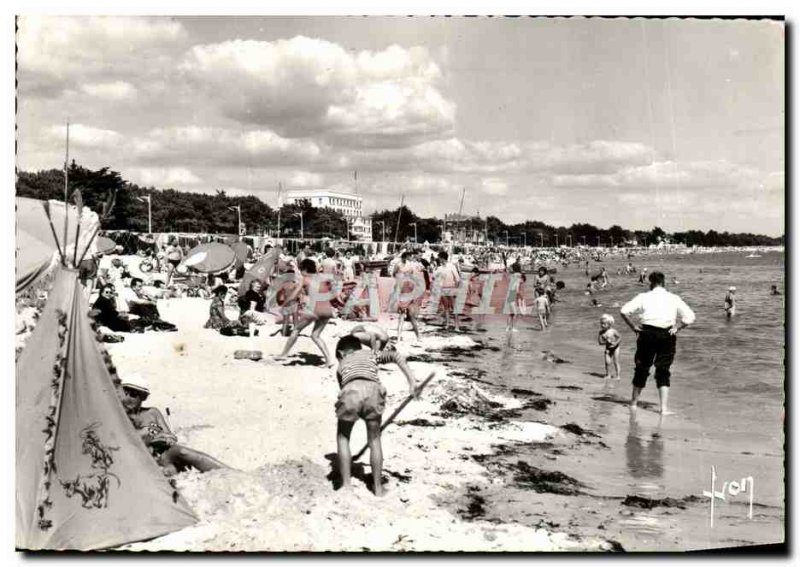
(609, 337)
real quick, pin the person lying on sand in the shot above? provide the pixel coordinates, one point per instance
(362, 396)
(156, 434)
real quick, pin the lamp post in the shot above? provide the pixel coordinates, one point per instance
(541, 239)
(383, 229)
(584, 239)
(570, 240)
(598, 242)
(506, 233)
(415, 231)
(238, 209)
(525, 239)
(149, 213)
(556, 240)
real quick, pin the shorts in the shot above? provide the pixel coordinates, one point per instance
(365, 399)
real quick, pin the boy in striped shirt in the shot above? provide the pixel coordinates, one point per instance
(363, 396)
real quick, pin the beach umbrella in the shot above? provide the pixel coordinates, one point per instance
(261, 270)
(105, 245)
(241, 250)
(210, 258)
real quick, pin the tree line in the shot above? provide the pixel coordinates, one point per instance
(181, 211)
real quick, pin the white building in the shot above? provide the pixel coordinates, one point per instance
(350, 206)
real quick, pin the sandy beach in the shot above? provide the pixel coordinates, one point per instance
(275, 426)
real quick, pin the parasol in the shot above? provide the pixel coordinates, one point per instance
(210, 258)
(261, 270)
(105, 245)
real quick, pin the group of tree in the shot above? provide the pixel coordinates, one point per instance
(182, 211)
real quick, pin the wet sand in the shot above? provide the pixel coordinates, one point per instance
(634, 478)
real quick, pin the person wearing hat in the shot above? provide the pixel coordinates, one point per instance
(730, 302)
(156, 433)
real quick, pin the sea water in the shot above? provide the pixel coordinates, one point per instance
(727, 381)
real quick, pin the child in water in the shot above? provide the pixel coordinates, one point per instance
(542, 305)
(609, 337)
(730, 302)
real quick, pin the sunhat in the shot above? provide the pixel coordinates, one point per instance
(136, 382)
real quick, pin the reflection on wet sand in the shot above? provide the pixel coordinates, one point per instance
(644, 457)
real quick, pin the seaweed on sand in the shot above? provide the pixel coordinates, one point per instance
(650, 503)
(475, 504)
(578, 430)
(421, 422)
(524, 392)
(540, 480)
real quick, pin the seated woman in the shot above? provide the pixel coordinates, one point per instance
(156, 434)
(105, 313)
(217, 318)
(252, 305)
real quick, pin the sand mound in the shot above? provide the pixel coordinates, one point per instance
(291, 507)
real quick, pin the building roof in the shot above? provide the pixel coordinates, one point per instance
(301, 193)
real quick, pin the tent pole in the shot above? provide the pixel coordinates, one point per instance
(66, 203)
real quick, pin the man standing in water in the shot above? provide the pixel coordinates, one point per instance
(661, 315)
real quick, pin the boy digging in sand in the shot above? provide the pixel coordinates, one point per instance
(373, 336)
(363, 396)
(609, 337)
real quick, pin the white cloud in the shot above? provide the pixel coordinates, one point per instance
(599, 156)
(665, 174)
(494, 187)
(196, 144)
(118, 90)
(302, 85)
(305, 179)
(57, 52)
(85, 136)
(172, 177)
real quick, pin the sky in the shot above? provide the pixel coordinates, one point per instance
(637, 122)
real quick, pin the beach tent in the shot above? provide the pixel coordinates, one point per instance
(84, 478)
(36, 248)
